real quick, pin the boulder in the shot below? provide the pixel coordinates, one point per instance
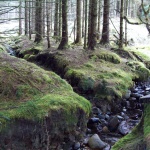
(95, 143)
(123, 128)
(113, 123)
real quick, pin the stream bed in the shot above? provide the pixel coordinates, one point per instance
(105, 129)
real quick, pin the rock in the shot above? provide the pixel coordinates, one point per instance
(107, 116)
(132, 99)
(100, 116)
(93, 123)
(123, 128)
(105, 129)
(96, 110)
(108, 147)
(120, 117)
(95, 143)
(113, 123)
(104, 122)
(76, 146)
(128, 93)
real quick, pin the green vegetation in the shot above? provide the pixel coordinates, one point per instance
(147, 125)
(29, 92)
(132, 140)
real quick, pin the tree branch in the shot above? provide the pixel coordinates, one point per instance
(134, 23)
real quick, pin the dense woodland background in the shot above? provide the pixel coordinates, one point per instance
(83, 21)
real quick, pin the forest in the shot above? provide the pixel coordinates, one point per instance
(74, 75)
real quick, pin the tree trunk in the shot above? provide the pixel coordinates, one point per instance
(26, 17)
(56, 18)
(83, 17)
(85, 35)
(38, 21)
(64, 40)
(89, 21)
(60, 18)
(93, 38)
(99, 19)
(78, 16)
(29, 14)
(121, 26)
(48, 22)
(20, 18)
(43, 18)
(105, 31)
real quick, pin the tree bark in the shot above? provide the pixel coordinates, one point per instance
(26, 17)
(85, 32)
(56, 18)
(64, 40)
(38, 21)
(78, 16)
(93, 38)
(60, 18)
(105, 31)
(48, 22)
(121, 26)
(20, 20)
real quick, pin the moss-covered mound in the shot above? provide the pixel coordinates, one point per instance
(35, 104)
(104, 73)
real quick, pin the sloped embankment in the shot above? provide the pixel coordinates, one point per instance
(38, 109)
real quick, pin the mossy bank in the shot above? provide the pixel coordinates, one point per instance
(38, 109)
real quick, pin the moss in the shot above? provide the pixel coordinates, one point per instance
(106, 55)
(142, 52)
(140, 69)
(2, 48)
(147, 125)
(29, 92)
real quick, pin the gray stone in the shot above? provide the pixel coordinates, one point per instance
(113, 123)
(76, 146)
(128, 93)
(96, 110)
(96, 143)
(123, 128)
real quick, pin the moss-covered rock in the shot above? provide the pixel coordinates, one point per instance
(37, 106)
(140, 69)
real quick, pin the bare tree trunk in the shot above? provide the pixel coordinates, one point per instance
(38, 21)
(20, 17)
(89, 21)
(126, 8)
(93, 38)
(56, 18)
(99, 18)
(105, 31)
(83, 17)
(43, 18)
(78, 16)
(29, 14)
(85, 35)
(48, 22)
(64, 41)
(60, 18)
(26, 17)
(121, 25)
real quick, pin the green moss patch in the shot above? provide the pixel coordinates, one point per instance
(147, 125)
(29, 92)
